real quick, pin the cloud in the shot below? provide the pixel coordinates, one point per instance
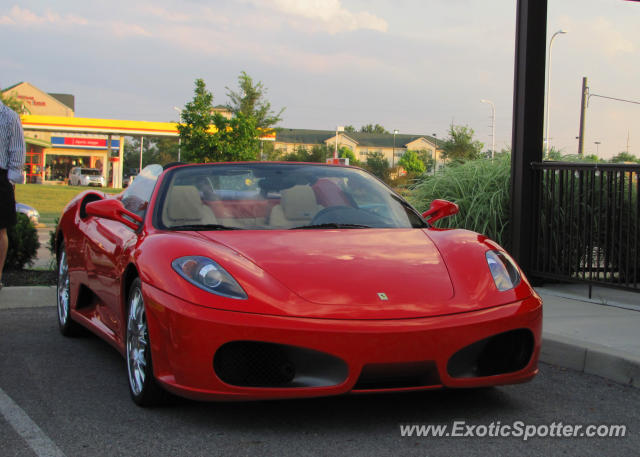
(20, 16)
(611, 41)
(323, 15)
(122, 29)
(23, 17)
(599, 36)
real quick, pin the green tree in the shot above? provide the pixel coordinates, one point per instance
(250, 102)
(299, 154)
(13, 103)
(269, 152)
(378, 165)
(233, 139)
(427, 159)
(346, 152)
(370, 128)
(236, 138)
(350, 129)
(623, 156)
(132, 152)
(167, 150)
(196, 117)
(412, 162)
(160, 150)
(318, 153)
(460, 146)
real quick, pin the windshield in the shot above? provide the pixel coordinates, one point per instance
(91, 172)
(274, 196)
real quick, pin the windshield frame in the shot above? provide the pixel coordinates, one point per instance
(415, 219)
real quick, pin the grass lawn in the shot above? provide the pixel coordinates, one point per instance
(49, 199)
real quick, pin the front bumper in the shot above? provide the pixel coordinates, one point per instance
(185, 338)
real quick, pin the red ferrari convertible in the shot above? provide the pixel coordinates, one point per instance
(238, 281)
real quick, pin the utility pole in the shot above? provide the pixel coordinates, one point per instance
(493, 126)
(627, 141)
(583, 113)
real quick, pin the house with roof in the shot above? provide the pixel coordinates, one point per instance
(391, 146)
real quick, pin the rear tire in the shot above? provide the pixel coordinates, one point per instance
(143, 387)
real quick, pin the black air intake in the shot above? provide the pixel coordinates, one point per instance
(261, 364)
(504, 353)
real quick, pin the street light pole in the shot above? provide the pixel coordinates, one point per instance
(546, 116)
(393, 154)
(597, 143)
(493, 126)
(179, 139)
(339, 129)
(435, 152)
(141, 147)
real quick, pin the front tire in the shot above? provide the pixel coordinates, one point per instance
(144, 389)
(63, 292)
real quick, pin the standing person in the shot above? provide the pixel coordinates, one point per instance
(12, 153)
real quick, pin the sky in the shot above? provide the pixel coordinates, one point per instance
(412, 65)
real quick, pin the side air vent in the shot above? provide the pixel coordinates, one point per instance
(504, 353)
(262, 364)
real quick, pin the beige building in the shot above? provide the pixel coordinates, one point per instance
(391, 146)
(50, 154)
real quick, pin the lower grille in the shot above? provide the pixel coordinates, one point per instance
(398, 375)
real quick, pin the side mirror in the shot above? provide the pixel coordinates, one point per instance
(440, 209)
(112, 209)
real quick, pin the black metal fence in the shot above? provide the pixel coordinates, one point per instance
(588, 224)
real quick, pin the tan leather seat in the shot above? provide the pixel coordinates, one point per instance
(297, 207)
(184, 206)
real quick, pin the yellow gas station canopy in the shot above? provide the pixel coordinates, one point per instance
(110, 126)
(103, 126)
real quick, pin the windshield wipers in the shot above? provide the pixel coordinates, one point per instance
(331, 225)
(203, 227)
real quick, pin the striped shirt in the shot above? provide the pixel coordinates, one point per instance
(12, 149)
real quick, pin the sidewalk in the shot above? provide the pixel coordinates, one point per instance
(599, 336)
(578, 333)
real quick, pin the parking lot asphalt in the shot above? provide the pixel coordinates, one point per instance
(598, 336)
(68, 397)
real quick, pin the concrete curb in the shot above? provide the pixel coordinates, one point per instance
(27, 297)
(614, 364)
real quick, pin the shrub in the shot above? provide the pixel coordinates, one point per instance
(23, 244)
(482, 190)
(51, 245)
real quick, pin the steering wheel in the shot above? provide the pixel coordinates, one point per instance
(349, 215)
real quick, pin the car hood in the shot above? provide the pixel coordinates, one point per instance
(399, 270)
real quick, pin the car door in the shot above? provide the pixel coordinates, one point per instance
(109, 246)
(106, 243)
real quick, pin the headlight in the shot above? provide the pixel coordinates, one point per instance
(208, 275)
(503, 269)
